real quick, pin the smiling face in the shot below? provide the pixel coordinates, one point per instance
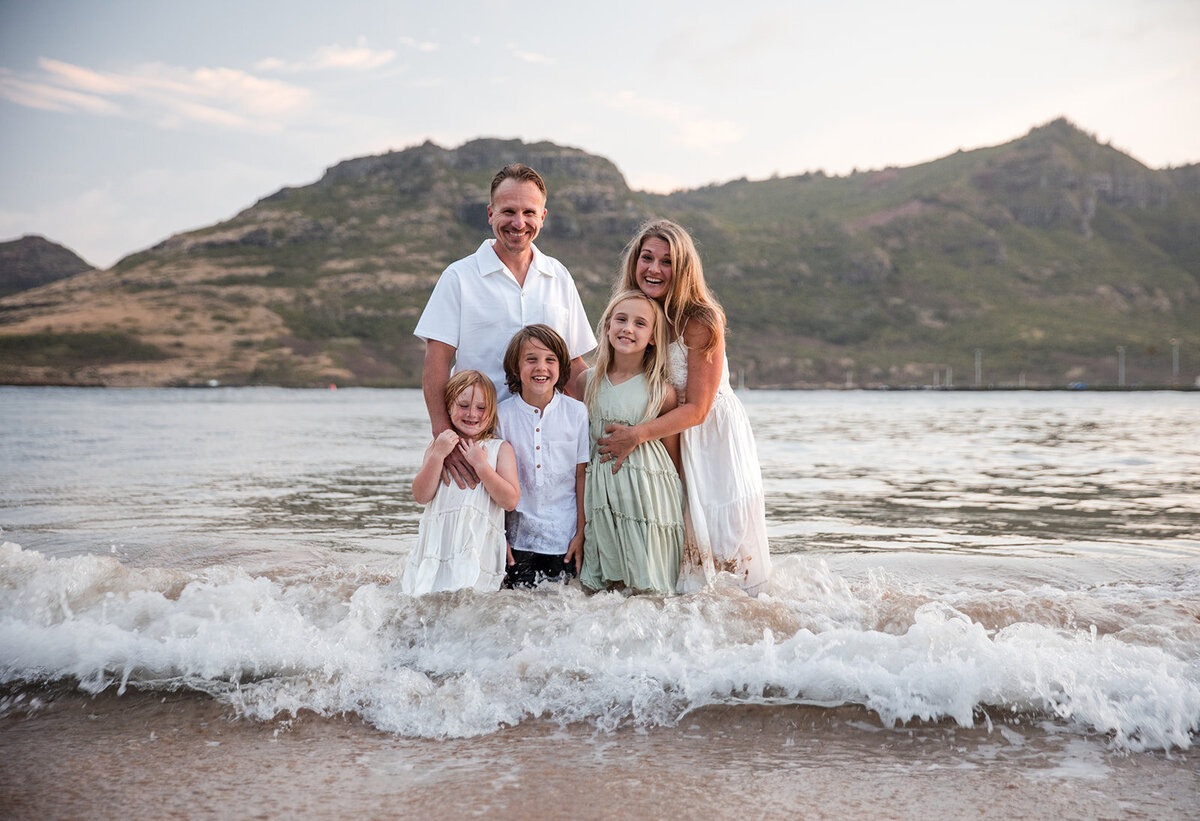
(654, 272)
(469, 412)
(538, 367)
(630, 326)
(516, 213)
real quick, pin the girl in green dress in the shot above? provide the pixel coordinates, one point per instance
(633, 526)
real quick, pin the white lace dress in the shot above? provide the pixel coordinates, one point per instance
(460, 543)
(724, 516)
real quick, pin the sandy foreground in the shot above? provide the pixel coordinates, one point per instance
(182, 755)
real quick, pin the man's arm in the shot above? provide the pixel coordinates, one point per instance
(438, 358)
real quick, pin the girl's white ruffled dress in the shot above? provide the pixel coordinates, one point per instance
(460, 542)
(724, 515)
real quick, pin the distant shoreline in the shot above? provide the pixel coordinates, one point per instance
(798, 389)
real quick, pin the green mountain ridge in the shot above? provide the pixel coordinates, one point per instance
(1045, 254)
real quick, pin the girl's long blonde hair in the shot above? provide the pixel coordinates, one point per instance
(689, 297)
(654, 358)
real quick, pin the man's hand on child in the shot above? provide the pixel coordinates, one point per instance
(456, 468)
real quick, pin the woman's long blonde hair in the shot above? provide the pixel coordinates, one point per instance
(689, 297)
(654, 358)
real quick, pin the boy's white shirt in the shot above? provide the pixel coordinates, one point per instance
(549, 445)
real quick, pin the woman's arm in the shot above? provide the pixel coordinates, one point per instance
(671, 440)
(501, 483)
(703, 381)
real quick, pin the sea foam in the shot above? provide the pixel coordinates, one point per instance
(460, 664)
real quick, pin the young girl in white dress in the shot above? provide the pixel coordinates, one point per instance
(633, 528)
(460, 543)
(726, 517)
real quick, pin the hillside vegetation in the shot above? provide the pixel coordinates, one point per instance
(1044, 254)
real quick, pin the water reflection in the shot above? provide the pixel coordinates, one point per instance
(990, 474)
(203, 476)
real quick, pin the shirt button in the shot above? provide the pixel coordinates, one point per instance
(537, 447)
(539, 467)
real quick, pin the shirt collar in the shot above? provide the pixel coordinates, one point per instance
(530, 409)
(489, 263)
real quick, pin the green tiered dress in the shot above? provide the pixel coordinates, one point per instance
(633, 532)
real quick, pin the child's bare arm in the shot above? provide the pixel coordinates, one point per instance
(575, 548)
(501, 482)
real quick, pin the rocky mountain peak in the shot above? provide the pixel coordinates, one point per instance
(34, 260)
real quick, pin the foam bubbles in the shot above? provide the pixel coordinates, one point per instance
(461, 664)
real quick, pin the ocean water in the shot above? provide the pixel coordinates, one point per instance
(1020, 569)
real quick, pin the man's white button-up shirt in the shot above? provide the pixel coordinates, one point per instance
(477, 305)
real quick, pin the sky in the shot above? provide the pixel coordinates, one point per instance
(126, 121)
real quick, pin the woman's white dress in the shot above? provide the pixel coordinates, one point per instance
(460, 541)
(724, 515)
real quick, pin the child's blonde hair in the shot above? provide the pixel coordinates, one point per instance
(654, 358)
(463, 380)
(689, 296)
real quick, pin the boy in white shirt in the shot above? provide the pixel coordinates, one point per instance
(548, 430)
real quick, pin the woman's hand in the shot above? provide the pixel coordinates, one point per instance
(617, 443)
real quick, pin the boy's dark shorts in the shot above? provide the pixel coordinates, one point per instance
(530, 569)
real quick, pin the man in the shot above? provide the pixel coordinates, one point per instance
(480, 301)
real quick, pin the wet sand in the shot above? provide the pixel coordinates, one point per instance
(184, 755)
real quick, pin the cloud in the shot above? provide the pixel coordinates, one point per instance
(529, 56)
(169, 96)
(686, 126)
(82, 78)
(271, 64)
(253, 95)
(419, 46)
(50, 98)
(360, 57)
(655, 182)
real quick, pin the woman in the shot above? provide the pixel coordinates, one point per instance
(725, 518)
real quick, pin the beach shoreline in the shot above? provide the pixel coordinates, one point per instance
(184, 754)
